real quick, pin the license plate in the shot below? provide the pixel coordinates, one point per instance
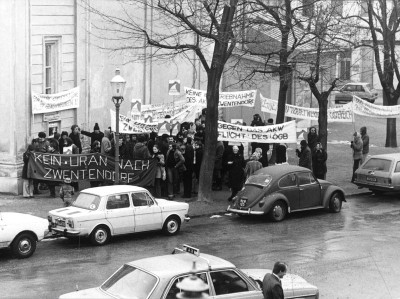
(242, 202)
(371, 179)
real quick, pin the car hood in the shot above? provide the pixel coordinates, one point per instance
(69, 212)
(18, 218)
(94, 293)
(292, 284)
(172, 205)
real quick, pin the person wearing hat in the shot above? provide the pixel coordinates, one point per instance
(305, 157)
(95, 135)
(66, 192)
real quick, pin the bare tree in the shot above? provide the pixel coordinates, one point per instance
(208, 28)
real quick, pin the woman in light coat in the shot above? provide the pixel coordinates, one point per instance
(357, 146)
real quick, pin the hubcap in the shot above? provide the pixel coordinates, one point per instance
(172, 226)
(24, 246)
(278, 212)
(101, 236)
(336, 202)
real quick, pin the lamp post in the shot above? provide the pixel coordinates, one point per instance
(192, 287)
(117, 87)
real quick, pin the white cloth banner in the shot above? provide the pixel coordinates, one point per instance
(159, 111)
(342, 114)
(280, 133)
(44, 103)
(245, 98)
(365, 108)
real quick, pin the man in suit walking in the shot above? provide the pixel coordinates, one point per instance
(272, 285)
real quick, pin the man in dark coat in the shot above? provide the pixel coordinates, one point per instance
(365, 140)
(140, 150)
(75, 135)
(272, 285)
(219, 152)
(95, 135)
(312, 138)
(235, 163)
(305, 159)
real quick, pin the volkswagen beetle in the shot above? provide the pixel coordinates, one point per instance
(275, 191)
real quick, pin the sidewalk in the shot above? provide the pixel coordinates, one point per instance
(42, 203)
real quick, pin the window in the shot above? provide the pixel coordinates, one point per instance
(305, 178)
(141, 199)
(397, 167)
(118, 201)
(377, 164)
(174, 290)
(51, 64)
(288, 180)
(228, 282)
(345, 69)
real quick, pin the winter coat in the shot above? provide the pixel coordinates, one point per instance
(251, 167)
(189, 156)
(365, 140)
(76, 139)
(312, 139)
(25, 158)
(160, 165)
(93, 136)
(219, 152)
(281, 154)
(305, 159)
(179, 160)
(319, 163)
(236, 171)
(106, 143)
(42, 146)
(140, 151)
(357, 147)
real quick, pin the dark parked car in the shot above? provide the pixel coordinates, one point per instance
(275, 191)
(380, 173)
(362, 90)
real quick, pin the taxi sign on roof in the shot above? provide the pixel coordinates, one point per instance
(190, 249)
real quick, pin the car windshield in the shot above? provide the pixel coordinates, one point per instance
(130, 282)
(377, 164)
(259, 180)
(87, 201)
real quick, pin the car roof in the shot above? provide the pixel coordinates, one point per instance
(393, 156)
(279, 170)
(166, 266)
(105, 190)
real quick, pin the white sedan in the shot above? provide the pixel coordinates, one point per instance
(20, 232)
(102, 212)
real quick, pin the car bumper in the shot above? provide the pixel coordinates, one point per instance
(377, 186)
(186, 218)
(64, 232)
(244, 212)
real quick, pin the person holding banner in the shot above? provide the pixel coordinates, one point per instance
(95, 135)
(75, 135)
(357, 146)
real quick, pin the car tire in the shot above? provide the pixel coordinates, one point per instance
(278, 211)
(335, 202)
(100, 235)
(24, 245)
(172, 225)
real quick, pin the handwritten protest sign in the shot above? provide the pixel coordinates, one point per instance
(362, 107)
(92, 167)
(284, 132)
(342, 114)
(44, 103)
(245, 98)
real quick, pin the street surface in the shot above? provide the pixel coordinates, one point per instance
(352, 254)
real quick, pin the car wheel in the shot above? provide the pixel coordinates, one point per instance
(278, 211)
(24, 245)
(335, 203)
(100, 235)
(172, 225)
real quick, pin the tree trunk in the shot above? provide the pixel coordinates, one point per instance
(391, 133)
(323, 120)
(211, 135)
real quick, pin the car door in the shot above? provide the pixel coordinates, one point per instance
(172, 289)
(147, 212)
(288, 187)
(310, 190)
(119, 213)
(228, 283)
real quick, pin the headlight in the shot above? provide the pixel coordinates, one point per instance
(70, 223)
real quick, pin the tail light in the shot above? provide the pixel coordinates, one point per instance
(70, 223)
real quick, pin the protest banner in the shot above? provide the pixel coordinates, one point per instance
(362, 107)
(44, 103)
(284, 132)
(129, 126)
(245, 98)
(92, 167)
(342, 114)
(157, 112)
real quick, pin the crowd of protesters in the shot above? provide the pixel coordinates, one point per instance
(179, 157)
